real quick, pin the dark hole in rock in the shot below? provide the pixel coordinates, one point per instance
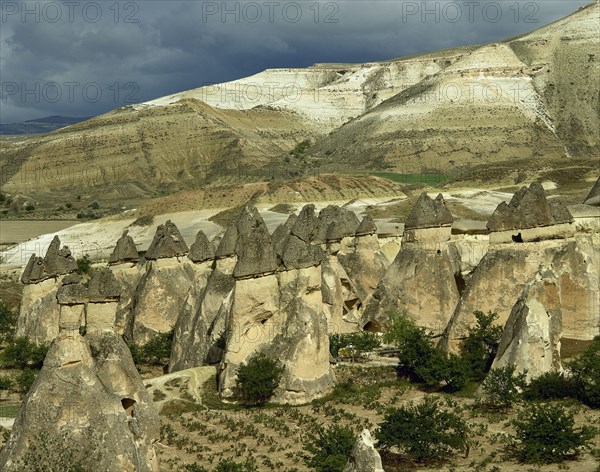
(460, 283)
(439, 251)
(517, 238)
(128, 404)
(372, 327)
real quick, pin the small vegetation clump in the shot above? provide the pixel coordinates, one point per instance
(426, 432)
(480, 346)
(502, 388)
(328, 449)
(547, 433)
(84, 265)
(156, 351)
(258, 378)
(585, 371)
(356, 345)
(550, 386)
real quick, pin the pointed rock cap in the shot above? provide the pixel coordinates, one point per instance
(298, 254)
(71, 279)
(125, 250)
(334, 232)
(528, 208)
(56, 262)
(167, 242)
(429, 213)
(254, 248)
(345, 220)
(202, 249)
(104, 287)
(306, 225)
(227, 244)
(593, 197)
(281, 233)
(367, 226)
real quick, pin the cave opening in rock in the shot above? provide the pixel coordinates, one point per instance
(127, 404)
(517, 238)
(373, 327)
(460, 283)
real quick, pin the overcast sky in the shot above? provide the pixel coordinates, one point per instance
(83, 58)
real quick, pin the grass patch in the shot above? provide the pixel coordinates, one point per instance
(429, 179)
(9, 411)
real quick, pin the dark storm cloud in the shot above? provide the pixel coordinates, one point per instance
(84, 58)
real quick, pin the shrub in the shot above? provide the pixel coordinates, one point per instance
(258, 378)
(586, 374)
(158, 348)
(2, 198)
(8, 321)
(25, 379)
(229, 465)
(5, 383)
(194, 468)
(84, 264)
(357, 343)
(550, 386)
(546, 434)
(481, 344)
(20, 353)
(425, 431)
(29, 206)
(328, 449)
(69, 205)
(457, 373)
(94, 205)
(417, 358)
(502, 387)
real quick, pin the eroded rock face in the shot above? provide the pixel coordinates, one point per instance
(88, 401)
(56, 262)
(202, 250)
(227, 244)
(254, 249)
(335, 223)
(281, 315)
(366, 226)
(593, 198)
(281, 233)
(364, 457)
(160, 296)
(299, 254)
(167, 243)
(528, 208)
(39, 312)
(419, 282)
(429, 213)
(124, 251)
(531, 337)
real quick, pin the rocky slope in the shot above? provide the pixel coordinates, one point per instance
(523, 98)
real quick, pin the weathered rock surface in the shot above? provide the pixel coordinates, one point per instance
(281, 233)
(39, 312)
(56, 262)
(306, 225)
(202, 249)
(88, 403)
(254, 249)
(528, 208)
(124, 251)
(167, 243)
(227, 244)
(341, 304)
(299, 254)
(429, 213)
(334, 223)
(593, 198)
(103, 287)
(364, 457)
(281, 315)
(531, 337)
(420, 282)
(159, 297)
(199, 332)
(366, 226)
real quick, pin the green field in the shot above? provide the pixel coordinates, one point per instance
(429, 179)
(9, 411)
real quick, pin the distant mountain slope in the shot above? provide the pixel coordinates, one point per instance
(39, 125)
(536, 95)
(531, 97)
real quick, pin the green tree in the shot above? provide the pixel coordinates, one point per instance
(586, 374)
(328, 449)
(547, 433)
(360, 343)
(158, 349)
(229, 465)
(424, 432)
(8, 321)
(502, 387)
(25, 379)
(481, 344)
(258, 378)
(21, 353)
(84, 264)
(550, 386)
(418, 359)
